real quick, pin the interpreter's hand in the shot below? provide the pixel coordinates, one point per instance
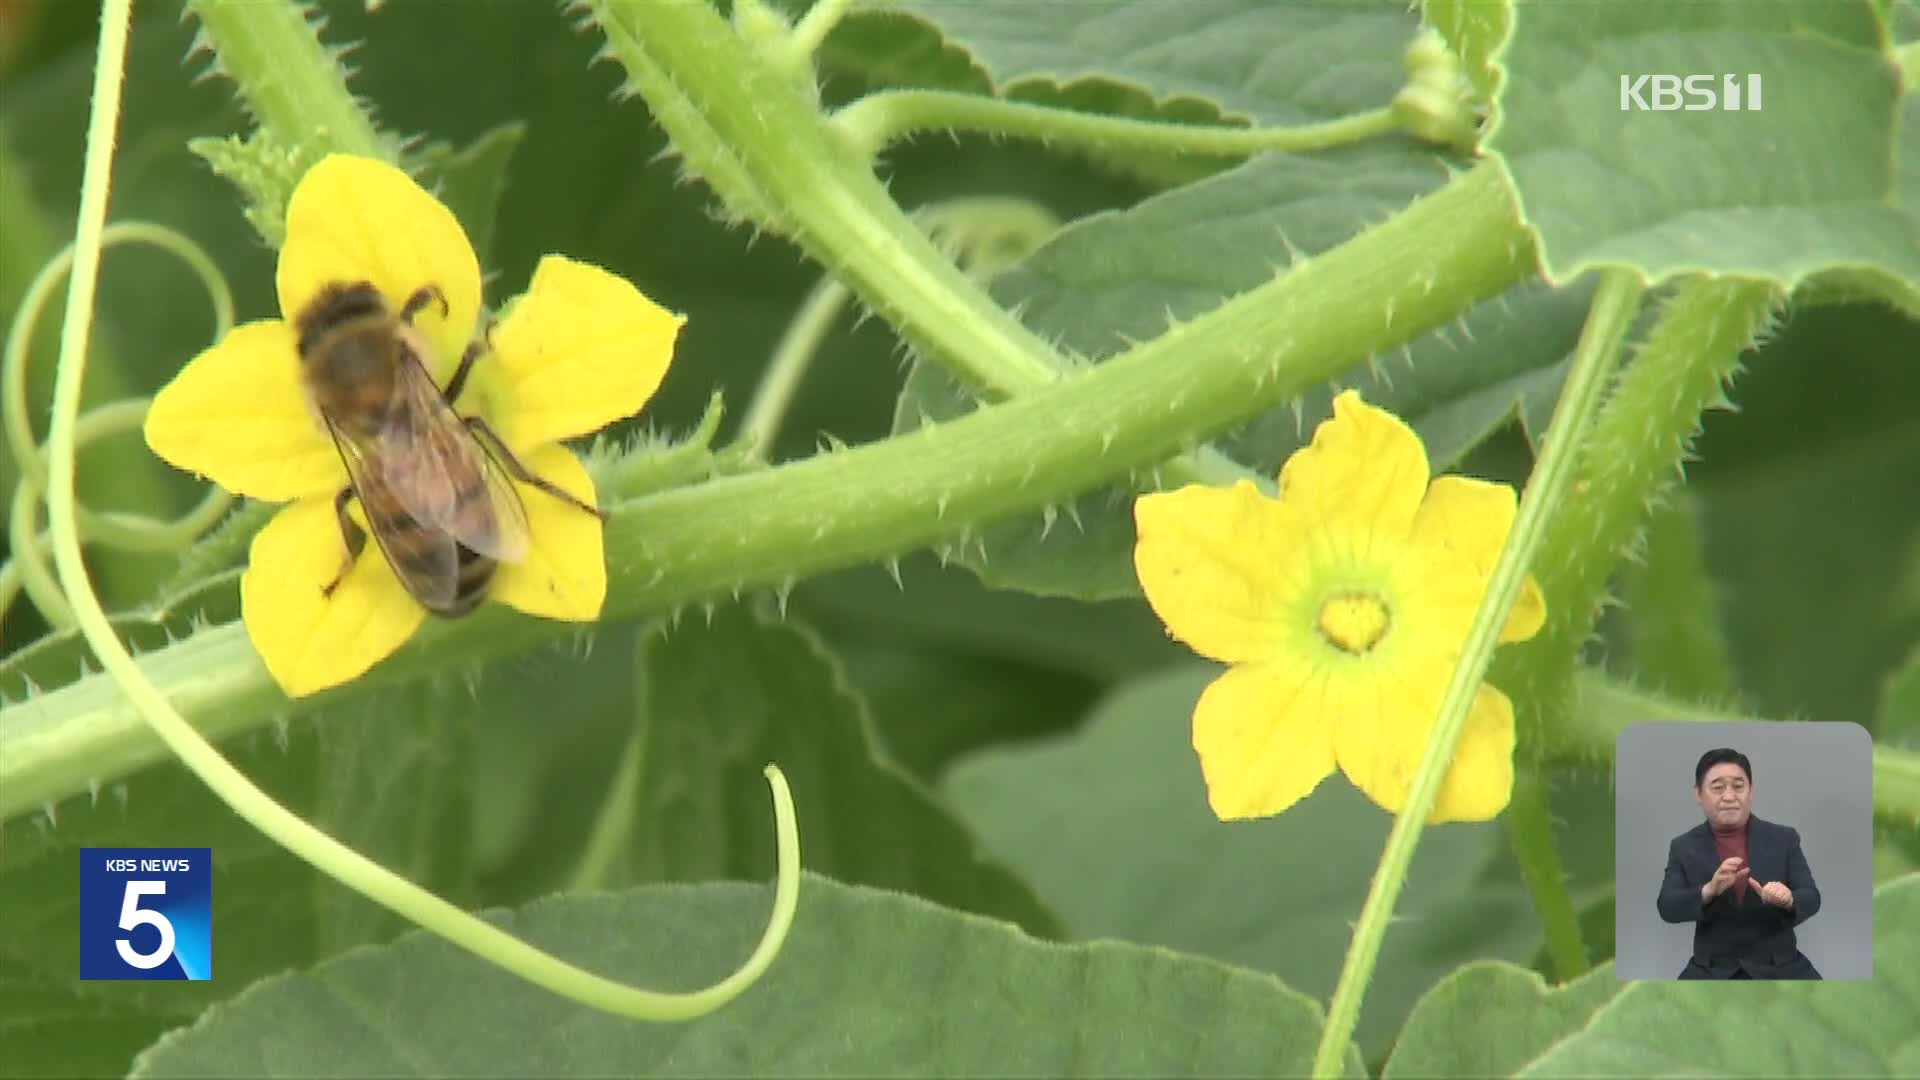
(1777, 894)
(1731, 872)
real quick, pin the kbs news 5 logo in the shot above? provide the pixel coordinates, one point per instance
(146, 913)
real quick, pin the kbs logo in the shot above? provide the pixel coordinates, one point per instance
(146, 913)
(1693, 93)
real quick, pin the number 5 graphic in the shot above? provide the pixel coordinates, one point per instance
(132, 915)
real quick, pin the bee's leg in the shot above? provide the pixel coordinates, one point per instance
(352, 533)
(519, 471)
(424, 295)
(475, 350)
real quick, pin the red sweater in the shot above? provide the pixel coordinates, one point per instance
(1729, 845)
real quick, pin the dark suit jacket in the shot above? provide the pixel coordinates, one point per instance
(1731, 934)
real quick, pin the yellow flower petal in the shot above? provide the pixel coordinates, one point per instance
(355, 219)
(1385, 712)
(1217, 565)
(581, 349)
(309, 641)
(1364, 463)
(1380, 741)
(564, 575)
(238, 414)
(1263, 738)
(1471, 518)
(1480, 781)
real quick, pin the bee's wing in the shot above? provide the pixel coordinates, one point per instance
(445, 476)
(426, 561)
(510, 536)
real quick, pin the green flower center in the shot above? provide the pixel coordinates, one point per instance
(1354, 622)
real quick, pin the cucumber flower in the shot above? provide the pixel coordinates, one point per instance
(1341, 606)
(579, 350)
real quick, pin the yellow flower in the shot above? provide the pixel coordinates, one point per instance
(1341, 606)
(581, 349)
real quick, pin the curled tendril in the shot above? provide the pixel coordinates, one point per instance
(28, 567)
(252, 805)
(982, 234)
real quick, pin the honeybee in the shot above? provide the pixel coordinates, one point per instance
(436, 487)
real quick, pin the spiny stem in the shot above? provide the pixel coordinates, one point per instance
(293, 84)
(815, 25)
(1614, 307)
(761, 144)
(877, 120)
(1638, 447)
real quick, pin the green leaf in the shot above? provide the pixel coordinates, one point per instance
(930, 707)
(719, 701)
(1805, 184)
(1488, 1019)
(1246, 59)
(1771, 1029)
(264, 173)
(1804, 513)
(392, 785)
(870, 983)
(950, 666)
(471, 180)
(949, 610)
(53, 1024)
(1112, 827)
(1108, 280)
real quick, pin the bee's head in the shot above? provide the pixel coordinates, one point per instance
(335, 308)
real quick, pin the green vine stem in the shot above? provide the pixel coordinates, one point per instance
(254, 806)
(813, 28)
(767, 528)
(1614, 307)
(1638, 448)
(1529, 820)
(876, 121)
